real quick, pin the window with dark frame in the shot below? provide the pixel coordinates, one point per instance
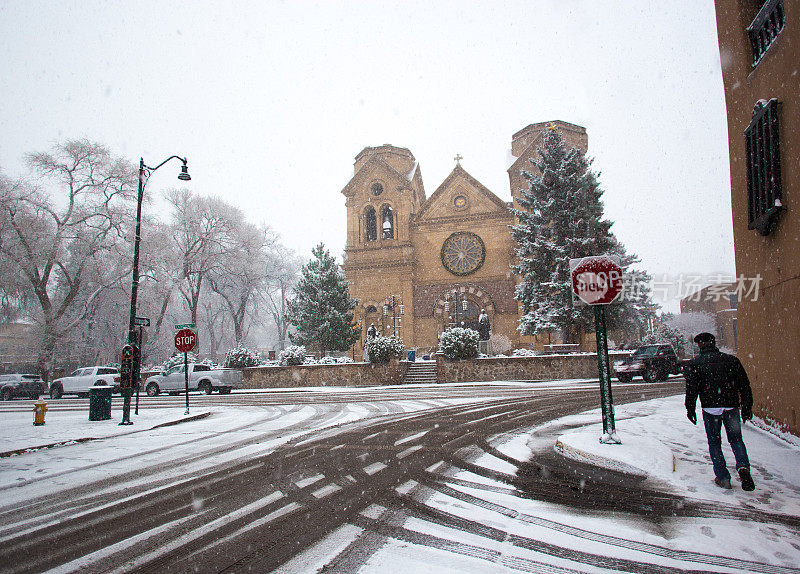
(765, 28)
(762, 149)
(371, 224)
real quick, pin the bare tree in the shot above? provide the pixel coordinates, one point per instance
(283, 271)
(240, 279)
(202, 237)
(214, 323)
(55, 242)
(160, 268)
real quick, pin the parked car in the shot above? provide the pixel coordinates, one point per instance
(201, 378)
(79, 382)
(651, 362)
(19, 385)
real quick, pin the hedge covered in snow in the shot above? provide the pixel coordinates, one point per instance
(458, 343)
(293, 355)
(381, 349)
(334, 360)
(241, 358)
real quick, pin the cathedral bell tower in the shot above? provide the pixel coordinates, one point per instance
(382, 197)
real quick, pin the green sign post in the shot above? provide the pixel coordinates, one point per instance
(597, 281)
(604, 368)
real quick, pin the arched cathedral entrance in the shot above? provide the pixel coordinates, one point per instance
(460, 306)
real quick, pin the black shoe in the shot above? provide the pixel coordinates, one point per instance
(723, 482)
(747, 480)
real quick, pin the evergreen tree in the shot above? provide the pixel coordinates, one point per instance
(321, 309)
(562, 219)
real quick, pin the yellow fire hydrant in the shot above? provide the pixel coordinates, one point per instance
(39, 408)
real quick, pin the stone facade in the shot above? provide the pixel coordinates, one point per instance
(342, 375)
(419, 264)
(544, 367)
(539, 368)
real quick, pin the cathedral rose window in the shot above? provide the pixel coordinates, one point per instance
(463, 253)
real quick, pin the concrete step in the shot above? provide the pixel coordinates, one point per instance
(421, 373)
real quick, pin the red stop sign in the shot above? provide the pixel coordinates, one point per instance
(597, 280)
(185, 340)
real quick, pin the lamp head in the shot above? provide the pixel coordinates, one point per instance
(184, 175)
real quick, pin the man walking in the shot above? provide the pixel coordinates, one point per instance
(721, 383)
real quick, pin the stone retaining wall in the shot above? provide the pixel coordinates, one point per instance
(541, 367)
(341, 375)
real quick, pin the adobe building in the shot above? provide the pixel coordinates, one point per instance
(419, 265)
(759, 49)
(720, 302)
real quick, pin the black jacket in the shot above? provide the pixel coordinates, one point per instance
(719, 379)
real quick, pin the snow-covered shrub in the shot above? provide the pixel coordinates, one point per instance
(334, 360)
(500, 344)
(293, 355)
(241, 358)
(381, 349)
(458, 343)
(523, 353)
(177, 359)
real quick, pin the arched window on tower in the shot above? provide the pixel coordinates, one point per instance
(371, 224)
(387, 217)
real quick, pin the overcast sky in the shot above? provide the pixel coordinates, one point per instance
(271, 101)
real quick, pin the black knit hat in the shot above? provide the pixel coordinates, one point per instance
(703, 338)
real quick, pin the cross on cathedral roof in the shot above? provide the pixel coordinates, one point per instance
(458, 159)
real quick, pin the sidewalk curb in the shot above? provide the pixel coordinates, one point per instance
(69, 442)
(578, 455)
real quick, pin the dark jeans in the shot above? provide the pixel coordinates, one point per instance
(733, 428)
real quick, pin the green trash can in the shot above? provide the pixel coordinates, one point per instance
(100, 403)
(412, 356)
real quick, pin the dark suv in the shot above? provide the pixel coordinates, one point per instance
(30, 386)
(651, 362)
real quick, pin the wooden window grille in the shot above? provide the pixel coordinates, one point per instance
(762, 149)
(765, 28)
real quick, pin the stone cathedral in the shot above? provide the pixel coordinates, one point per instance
(419, 265)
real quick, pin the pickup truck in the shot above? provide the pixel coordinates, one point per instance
(80, 380)
(651, 362)
(202, 378)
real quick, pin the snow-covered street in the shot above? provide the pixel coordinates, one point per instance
(516, 496)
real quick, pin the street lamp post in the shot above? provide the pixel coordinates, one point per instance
(456, 300)
(395, 303)
(127, 386)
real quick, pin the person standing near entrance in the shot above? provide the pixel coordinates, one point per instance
(483, 326)
(372, 332)
(719, 379)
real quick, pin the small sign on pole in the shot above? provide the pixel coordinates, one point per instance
(597, 281)
(185, 341)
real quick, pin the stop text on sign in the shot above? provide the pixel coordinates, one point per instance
(596, 280)
(185, 340)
